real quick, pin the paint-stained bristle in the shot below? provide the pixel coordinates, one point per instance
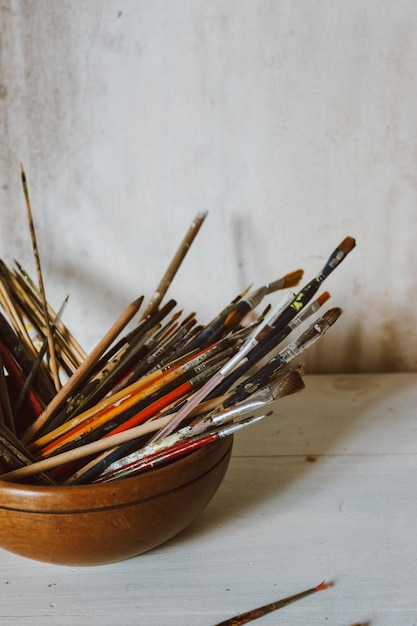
(289, 383)
(245, 291)
(347, 244)
(293, 278)
(323, 585)
(323, 298)
(190, 316)
(332, 315)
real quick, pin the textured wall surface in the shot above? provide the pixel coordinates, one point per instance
(293, 123)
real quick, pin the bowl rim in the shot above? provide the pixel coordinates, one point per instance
(133, 490)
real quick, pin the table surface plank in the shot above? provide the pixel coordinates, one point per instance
(326, 488)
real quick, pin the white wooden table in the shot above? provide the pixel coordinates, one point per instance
(326, 489)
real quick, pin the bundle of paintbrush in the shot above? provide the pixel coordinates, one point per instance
(149, 391)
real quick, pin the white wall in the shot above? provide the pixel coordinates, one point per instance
(294, 123)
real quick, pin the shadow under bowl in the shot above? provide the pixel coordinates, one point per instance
(84, 525)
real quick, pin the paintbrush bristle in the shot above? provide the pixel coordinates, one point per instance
(293, 278)
(323, 298)
(289, 383)
(347, 244)
(332, 315)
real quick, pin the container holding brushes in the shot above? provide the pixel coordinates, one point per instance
(108, 454)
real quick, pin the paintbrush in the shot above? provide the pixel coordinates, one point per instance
(173, 267)
(249, 616)
(81, 373)
(51, 346)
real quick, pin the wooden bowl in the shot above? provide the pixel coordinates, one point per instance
(108, 522)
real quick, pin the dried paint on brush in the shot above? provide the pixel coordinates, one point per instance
(249, 616)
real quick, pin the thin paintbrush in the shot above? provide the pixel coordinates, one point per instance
(249, 616)
(81, 373)
(173, 267)
(51, 346)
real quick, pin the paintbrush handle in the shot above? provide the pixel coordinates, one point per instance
(173, 267)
